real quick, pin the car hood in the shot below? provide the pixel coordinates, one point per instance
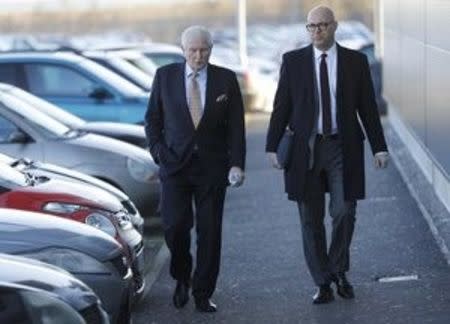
(130, 133)
(112, 146)
(58, 190)
(23, 231)
(52, 169)
(40, 275)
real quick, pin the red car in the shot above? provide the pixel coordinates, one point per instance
(79, 202)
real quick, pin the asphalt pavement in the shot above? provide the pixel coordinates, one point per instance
(397, 269)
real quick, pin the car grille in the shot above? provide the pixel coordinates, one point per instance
(129, 207)
(92, 314)
(121, 265)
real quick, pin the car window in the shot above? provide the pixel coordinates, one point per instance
(46, 107)
(7, 128)
(8, 74)
(47, 126)
(55, 80)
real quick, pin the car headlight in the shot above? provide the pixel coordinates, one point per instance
(69, 260)
(141, 171)
(101, 222)
(62, 208)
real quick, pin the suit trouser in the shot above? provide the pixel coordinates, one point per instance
(324, 264)
(184, 195)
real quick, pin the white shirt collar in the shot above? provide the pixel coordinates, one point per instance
(331, 51)
(189, 71)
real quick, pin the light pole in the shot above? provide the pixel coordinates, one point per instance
(242, 28)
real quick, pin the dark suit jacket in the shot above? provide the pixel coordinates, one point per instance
(296, 105)
(219, 138)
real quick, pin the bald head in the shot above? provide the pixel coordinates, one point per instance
(322, 13)
(322, 26)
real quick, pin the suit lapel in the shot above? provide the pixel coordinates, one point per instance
(209, 92)
(180, 92)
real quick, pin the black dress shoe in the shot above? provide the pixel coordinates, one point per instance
(324, 295)
(181, 294)
(205, 305)
(344, 288)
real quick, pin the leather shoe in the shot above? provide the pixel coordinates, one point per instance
(205, 305)
(344, 288)
(181, 294)
(324, 295)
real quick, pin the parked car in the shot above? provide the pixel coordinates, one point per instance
(77, 84)
(40, 169)
(118, 64)
(130, 133)
(22, 304)
(162, 54)
(78, 202)
(87, 253)
(37, 292)
(27, 132)
(138, 59)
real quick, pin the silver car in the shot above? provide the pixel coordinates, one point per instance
(130, 133)
(37, 292)
(27, 132)
(86, 252)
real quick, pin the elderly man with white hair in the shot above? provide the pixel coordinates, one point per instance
(325, 96)
(195, 130)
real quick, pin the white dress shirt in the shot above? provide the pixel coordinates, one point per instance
(331, 60)
(201, 79)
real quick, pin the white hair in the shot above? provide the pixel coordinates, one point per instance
(193, 32)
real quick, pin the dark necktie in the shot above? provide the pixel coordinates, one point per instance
(325, 95)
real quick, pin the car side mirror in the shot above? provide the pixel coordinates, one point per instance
(100, 93)
(18, 136)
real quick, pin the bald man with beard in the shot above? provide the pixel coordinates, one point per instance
(325, 97)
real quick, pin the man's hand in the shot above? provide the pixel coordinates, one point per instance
(236, 176)
(272, 156)
(381, 160)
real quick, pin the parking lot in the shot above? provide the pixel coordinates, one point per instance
(264, 278)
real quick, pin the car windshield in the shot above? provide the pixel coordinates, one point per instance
(143, 63)
(161, 59)
(120, 84)
(140, 77)
(48, 126)
(48, 108)
(11, 178)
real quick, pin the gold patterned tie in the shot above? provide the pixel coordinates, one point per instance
(195, 101)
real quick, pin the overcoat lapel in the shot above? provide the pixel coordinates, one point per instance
(339, 86)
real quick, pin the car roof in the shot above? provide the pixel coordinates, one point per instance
(41, 56)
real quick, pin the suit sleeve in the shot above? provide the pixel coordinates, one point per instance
(154, 119)
(236, 126)
(281, 113)
(368, 111)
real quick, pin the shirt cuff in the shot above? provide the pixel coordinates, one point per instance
(382, 153)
